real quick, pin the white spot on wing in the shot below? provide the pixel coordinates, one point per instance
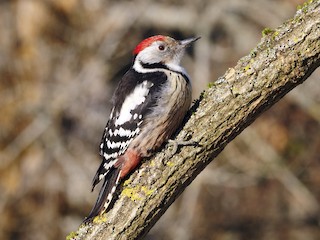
(123, 145)
(116, 132)
(113, 145)
(108, 156)
(123, 132)
(137, 97)
(110, 132)
(109, 164)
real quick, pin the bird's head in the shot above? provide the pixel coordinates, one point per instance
(161, 49)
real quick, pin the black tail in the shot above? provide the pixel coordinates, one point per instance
(106, 193)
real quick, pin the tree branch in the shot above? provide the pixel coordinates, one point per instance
(285, 58)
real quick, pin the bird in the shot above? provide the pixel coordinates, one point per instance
(148, 106)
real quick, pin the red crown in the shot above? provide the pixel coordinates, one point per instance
(147, 42)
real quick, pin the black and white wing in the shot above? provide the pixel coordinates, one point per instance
(133, 99)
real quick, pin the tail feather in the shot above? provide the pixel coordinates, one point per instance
(106, 193)
(100, 174)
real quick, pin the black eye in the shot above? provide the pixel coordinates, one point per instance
(161, 47)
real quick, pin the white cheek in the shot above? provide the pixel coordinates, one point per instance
(150, 55)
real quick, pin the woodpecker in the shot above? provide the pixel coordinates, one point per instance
(149, 104)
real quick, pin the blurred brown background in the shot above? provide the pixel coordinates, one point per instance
(59, 63)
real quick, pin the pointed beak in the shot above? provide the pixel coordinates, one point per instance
(186, 42)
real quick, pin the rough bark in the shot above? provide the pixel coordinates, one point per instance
(283, 59)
